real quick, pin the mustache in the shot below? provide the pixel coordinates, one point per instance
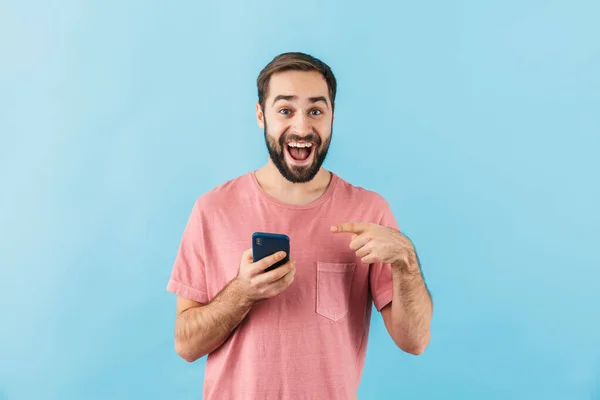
(292, 137)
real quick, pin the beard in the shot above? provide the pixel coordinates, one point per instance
(297, 174)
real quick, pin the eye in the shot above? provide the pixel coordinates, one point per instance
(285, 111)
(316, 112)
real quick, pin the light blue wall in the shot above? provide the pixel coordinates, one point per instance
(478, 121)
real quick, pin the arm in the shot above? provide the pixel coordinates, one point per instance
(202, 328)
(408, 317)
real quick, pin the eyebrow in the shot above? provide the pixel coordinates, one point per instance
(292, 98)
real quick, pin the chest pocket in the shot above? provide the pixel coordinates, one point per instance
(334, 284)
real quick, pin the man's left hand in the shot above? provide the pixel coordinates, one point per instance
(374, 243)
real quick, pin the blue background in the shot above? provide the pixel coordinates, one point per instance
(478, 121)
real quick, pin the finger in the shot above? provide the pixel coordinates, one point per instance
(248, 255)
(275, 274)
(363, 251)
(359, 241)
(262, 264)
(273, 287)
(287, 277)
(280, 273)
(369, 259)
(281, 284)
(353, 227)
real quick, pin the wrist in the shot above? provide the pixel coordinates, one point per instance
(239, 294)
(406, 264)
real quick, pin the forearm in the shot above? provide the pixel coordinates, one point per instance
(201, 330)
(412, 308)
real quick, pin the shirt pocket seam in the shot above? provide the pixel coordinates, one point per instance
(334, 280)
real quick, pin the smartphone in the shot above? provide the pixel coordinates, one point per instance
(264, 244)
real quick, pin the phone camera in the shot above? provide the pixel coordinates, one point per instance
(258, 241)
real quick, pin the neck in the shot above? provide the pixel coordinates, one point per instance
(275, 185)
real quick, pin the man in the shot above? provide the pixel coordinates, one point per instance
(299, 331)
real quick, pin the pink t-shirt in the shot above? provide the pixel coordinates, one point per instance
(310, 341)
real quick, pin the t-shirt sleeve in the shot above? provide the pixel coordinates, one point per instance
(380, 275)
(188, 275)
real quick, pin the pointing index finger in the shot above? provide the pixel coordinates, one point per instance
(353, 227)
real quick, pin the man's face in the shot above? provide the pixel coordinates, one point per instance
(297, 122)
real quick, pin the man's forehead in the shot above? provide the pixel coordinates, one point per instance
(302, 84)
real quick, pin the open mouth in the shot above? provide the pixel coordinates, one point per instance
(300, 152)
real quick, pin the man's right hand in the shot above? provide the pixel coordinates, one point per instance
(259, 285)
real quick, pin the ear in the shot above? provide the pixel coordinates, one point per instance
(260, 116)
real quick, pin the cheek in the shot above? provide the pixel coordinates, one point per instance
(276, 128)
(324, 130)
(274, 139)
(275, 136)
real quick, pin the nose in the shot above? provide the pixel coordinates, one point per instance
(301, 124)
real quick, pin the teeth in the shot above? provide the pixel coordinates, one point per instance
(299, 144)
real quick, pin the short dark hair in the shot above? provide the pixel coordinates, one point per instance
(294, 61)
